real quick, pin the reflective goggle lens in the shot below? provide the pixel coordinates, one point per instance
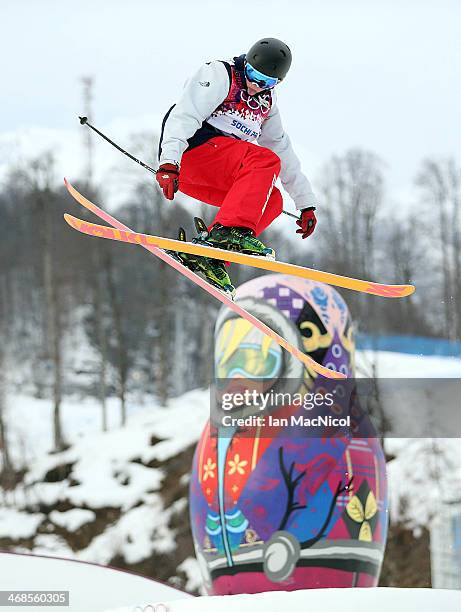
(258, 78)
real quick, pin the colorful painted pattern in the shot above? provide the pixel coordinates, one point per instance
(286, 513)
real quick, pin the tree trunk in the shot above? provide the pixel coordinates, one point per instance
(122, 355)
(98, 294)
(6, 466)
(54, 327)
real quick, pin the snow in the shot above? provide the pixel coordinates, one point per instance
(425, 473)
(15, 524)
(82, 419)
(136, 535)
(105, 464)
(91, 587)
(110, 469)
(50, 545)
(107, 471)
(72, 519)
(401, 365)
(191, 568)
(31, 417)
(79, 415)
(346, 600)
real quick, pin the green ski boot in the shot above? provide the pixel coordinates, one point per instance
(213, 270)
(239, 239)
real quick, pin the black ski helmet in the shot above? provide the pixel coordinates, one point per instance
(270, 56)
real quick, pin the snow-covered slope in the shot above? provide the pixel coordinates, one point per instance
(403, 365)
(122, 495)
(327, 600)
(100, 471)
(30, 423)
(91, 588)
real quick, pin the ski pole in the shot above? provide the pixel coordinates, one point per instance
(84, 121)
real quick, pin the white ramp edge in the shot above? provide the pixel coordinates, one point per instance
(327, 600)
(92, 587)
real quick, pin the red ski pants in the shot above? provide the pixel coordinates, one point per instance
(238, 177)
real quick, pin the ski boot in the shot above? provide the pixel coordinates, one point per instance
(212, 270)
(239, 239)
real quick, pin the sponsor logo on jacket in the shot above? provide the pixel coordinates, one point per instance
(243, 128)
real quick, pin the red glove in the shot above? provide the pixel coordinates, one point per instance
(307, 222)
(168, 178)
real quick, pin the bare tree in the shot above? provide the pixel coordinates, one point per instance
(98, 300)
(352, 195)
(440, 185)
(43, 171)
(122, 359)
(407, 262)
(6, 464)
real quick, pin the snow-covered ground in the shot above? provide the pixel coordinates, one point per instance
(110, 469)
(31, 436)
(425, 471)
(402, 365)
(91, 588)
(102, 589)
(346, 600)
(30, 422)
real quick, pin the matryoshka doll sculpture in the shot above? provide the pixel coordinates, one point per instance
(284, 511)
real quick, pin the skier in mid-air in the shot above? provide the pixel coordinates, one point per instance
(207, 151)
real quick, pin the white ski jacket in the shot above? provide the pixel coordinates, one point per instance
(201, 102)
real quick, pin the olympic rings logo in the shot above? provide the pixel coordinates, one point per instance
(160, 607)
(261, 102)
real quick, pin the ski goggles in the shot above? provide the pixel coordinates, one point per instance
(258, 78)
